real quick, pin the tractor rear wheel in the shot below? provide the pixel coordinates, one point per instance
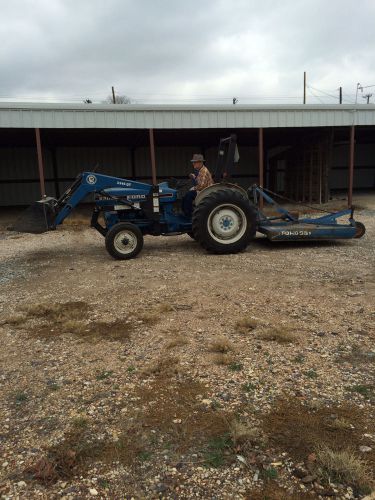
(224, 221)
(124, 241)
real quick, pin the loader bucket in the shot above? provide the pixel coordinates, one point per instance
(36, 219)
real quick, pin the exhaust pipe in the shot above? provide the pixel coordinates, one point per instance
(37, 218)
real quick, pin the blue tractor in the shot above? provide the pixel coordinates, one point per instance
(225, 217)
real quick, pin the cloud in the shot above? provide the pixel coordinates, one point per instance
(194, 51)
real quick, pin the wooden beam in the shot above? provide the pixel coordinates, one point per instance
(40, 163)
(351, 166)
(153, 160)
(132, 162)
(261, 163)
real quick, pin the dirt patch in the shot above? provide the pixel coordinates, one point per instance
(298, 429)
(118, 330)
(324, 433)
(177, 410)
(272, 491)
(79, 450)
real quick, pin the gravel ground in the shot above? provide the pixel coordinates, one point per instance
(181, 374)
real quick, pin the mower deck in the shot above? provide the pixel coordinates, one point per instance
(304, 231)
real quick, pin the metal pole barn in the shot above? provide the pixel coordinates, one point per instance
(40, 163)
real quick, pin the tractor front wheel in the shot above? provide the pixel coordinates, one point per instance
(124, 241)
(360, 230)
(224, 222)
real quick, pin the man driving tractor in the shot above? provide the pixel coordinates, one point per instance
(201, 179)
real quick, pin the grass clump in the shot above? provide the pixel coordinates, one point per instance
(344, 467)
(300, 358)
(245, 325)
(15, 319)
(218, 451)
(155, 315)
(163, 366)
(278, 335)
(312, 374)
(367, 391)
(270, 473)
(222, 359)
(235, 366)
(249, 387)
(177, 341)
(221, 345)
(104, 375)
(20, 397)
(341, 423)
(57, 312)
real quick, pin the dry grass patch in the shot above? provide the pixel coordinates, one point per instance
(245, 435)
(177, 341)
(57, 312)
(167, 365)
(15, 319)
(221, 345)
(223, 359)
(246, 325)
(300, 430)
(118, 330)
(344, 467)
(272, 491)
(156, 314)
(173, 408)
(79, 449)
(279, 335)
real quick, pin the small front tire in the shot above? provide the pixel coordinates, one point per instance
(360, 230)
(124, 241)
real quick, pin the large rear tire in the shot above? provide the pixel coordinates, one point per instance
(124, 241)
(224, 221)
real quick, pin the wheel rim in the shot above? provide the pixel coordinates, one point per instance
(227, 224)
(125, 242)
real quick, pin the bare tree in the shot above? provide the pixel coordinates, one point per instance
(120, 99)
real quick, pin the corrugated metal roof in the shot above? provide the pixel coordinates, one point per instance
(117, 116)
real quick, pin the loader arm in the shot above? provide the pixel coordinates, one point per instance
(48, 213)
(86, 183)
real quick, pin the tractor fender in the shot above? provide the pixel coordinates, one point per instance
(218, 187)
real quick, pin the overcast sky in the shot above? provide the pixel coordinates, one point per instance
(186, 51)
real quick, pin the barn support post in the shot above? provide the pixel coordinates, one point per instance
(40, 163)
(153, 160)
(351, 166)
(55, 172)
(132, 162)
(261, 163)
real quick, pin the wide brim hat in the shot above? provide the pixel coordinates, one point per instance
(197, 157)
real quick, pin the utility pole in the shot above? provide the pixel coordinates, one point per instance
(359, 87)
(304, 87)
(113, 95)
(367, 97)
(340, 94)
